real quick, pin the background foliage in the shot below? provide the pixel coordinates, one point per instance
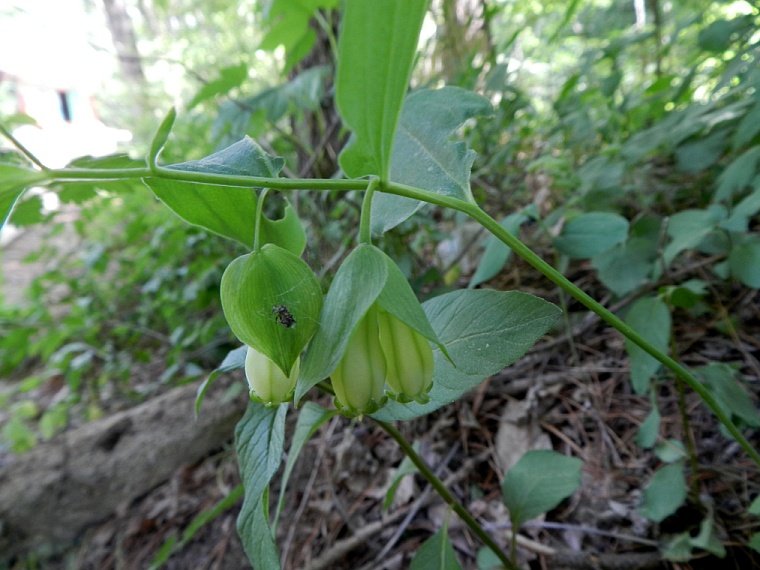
(625, 143)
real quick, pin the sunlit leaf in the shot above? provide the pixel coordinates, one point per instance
(538, 482)
(374, 66)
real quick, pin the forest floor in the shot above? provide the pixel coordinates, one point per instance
(570, 393)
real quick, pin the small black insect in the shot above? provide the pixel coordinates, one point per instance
(283, 316)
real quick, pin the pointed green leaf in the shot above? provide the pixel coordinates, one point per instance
(259, 441)
(374, 67)
(649, 430)
(664, 494)
(436, 553)
(244, 158)
(229, 78)
(423, 154)
(538, 482)
(497, 253)
(689, 227)
(626, 266)
(229, 212)
(591, 234)
(744, 262)
(356, 286)
(310, 417)
(234, 360)
(738, 175)
(397, 297)
(720, 379)
(256, 288)
(161, 136)
(650, 318)
(13, 181)
(406, 467)
(483, 331)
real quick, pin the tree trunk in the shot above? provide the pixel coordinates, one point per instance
(52, 494)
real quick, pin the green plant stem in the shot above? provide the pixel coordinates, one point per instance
(445, 494)
(259, 210)
(557, 278)
(470, 208)
(25, 151)
(365, 223)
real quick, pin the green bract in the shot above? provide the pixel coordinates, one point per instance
(266, 381)
(271, 300)
(369, 285)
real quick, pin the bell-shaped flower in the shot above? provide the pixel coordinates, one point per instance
(266, 381)
(359, 379)
(383, 353)
(409, 359)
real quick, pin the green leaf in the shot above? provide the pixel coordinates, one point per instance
(707, 539)
(665, 493)
(424, 157)
(397, 297)
(748, 127)
(720, 379)
(288, 26)
(754, 508)
(688, 228)
(234, 360)
(718, 36)
(374, 67)
(28, 212)
(161, 136)
(626, 266)
(646, 437)
(737, 175)
(13, 181)
(259, 441)
(305, 91)
(738, 221)
(649, 317)
(670, 451)
(244, 158)
(496, 254)
(357, 284)
(483, 332)
(231, 211)
(487, 560)
(754, 542)
(591, 234)
(744, 262)
(310, 418)
(436, 553)
(254, 286)
(406, 467)
(229, 78)
(538, 482)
